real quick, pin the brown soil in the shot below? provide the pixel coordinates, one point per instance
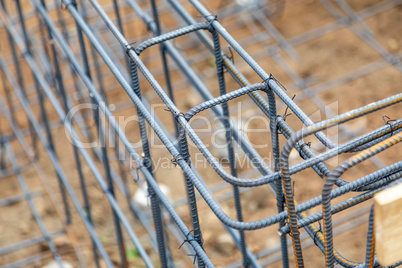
(322, 59)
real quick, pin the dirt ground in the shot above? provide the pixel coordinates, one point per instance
(323, 61)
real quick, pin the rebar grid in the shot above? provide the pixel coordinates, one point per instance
(66, 62)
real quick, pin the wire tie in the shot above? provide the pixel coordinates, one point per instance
(211, 28)
(231, 58)
(180, 157)
(176, 159)
(286, 110)
(279, 129)
(210, 10)
(301, 147)
(292, 234)
(146, 162)
(129, 47)
(316, 233)
(187, 240)
(293, 188)
(271, 76)
(193, 255)
(176, 116)
(388, 122)
(137, 177)
(231, 54)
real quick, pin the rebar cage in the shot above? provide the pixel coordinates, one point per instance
(160, 133)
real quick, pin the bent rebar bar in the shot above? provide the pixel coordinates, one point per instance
(96, 53)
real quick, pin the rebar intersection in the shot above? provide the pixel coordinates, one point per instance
(71, 69)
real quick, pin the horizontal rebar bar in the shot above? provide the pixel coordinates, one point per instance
(59, 79)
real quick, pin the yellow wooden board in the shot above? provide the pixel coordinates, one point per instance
(388, 225)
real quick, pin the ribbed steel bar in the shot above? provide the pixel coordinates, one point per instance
(326, 201)
(22, 141)
(41, 102)
(166, 70)
(217, 210)
(228, 136)
(304, 147)
(203, 90)
(257, 68)
(101, 33)
(83, 152)
(120, 134)
(311, 95)
(168, 36)
(361, 140)
(183, 143)
(369, 263)
(98, 76)
(84, 191)
(104, 155)
(346, 204)
(147, 162)
(243, 81)
(290, 203)
(83, 188)
(352, 220)
(60, 172)
(40, 172)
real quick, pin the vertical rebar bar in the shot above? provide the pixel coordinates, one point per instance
(147, 162)
(61, 88)
(31, 44)
(276, 154)
(229, 140)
